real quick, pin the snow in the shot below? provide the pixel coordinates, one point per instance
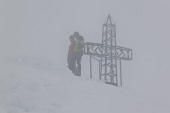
(33, 56)
(34, 85)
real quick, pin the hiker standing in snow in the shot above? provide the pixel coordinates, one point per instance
(71, 55)
(78, 49)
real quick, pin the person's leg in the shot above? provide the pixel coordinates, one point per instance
(73, 65)
(79, 57)
(68, 61)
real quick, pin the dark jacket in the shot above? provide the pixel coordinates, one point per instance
(71, 49)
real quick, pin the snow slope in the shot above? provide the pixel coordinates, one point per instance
(32, 85)
(33, 56)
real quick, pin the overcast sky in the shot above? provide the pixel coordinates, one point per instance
(40, 28)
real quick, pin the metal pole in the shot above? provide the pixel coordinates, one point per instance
(120, 73)
(111, 61)
(90, 67)
(116, 56)
(106, 52)
(99, 70)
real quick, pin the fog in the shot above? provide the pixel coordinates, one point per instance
(41, 28)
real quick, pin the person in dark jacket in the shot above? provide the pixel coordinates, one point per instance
(71, 55)
(78, 49)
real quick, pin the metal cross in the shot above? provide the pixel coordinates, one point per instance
(108, 54)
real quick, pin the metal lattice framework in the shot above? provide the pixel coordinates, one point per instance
(108, 54)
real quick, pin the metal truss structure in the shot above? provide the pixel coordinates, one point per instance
(108, 54)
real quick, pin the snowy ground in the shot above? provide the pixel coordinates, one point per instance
(34, 31)
(31, 85)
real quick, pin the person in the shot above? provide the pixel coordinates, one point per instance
(78, 49)
(71, 55)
